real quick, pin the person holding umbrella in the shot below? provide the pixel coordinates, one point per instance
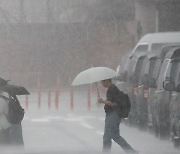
(5, 125)
(112, 120)
(13, 113)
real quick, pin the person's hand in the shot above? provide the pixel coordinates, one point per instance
(100, 100)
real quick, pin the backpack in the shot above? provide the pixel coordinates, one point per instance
(124, 105)
(16, 112)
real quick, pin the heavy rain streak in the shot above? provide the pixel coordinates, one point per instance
(90, 76)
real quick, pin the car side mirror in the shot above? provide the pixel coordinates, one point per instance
(178, 88)
(169, 85)
(151, 83)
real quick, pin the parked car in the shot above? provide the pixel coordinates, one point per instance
(136, 63)
(142, 89)
(149, 80)
(154, 41)
(160, 111)
(135, 70)
(149, 42)
(174, 87)
(129, 81)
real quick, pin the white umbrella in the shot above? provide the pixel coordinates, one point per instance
(94, 74)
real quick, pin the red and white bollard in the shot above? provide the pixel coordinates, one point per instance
(39, 99)
(89, 98)
(57, 99)
(71, 98)
(49, 99)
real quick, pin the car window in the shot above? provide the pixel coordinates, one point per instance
(156, 70)
(144, 69)
(141, 48)
(177, 77)
(169, 72)
(123, 64)
(132, 64)
(152, 63)
(174, 69)
(156, 46)
(162, 74)
(138, 69)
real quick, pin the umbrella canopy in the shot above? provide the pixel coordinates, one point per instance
(94, 74)
(14, 90)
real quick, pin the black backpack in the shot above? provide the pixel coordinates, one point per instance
(124, 104)
(16, 112)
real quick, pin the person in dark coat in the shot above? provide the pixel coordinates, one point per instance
(10, 134)
(4, 124)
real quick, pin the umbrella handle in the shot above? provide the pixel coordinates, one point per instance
(97, 90)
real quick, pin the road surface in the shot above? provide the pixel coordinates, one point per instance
(80, 131)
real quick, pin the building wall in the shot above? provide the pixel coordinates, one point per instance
(157, 15)
(146, 16)
(56, 50)
(169, 16)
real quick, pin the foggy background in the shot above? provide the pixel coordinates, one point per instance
(46, 43)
